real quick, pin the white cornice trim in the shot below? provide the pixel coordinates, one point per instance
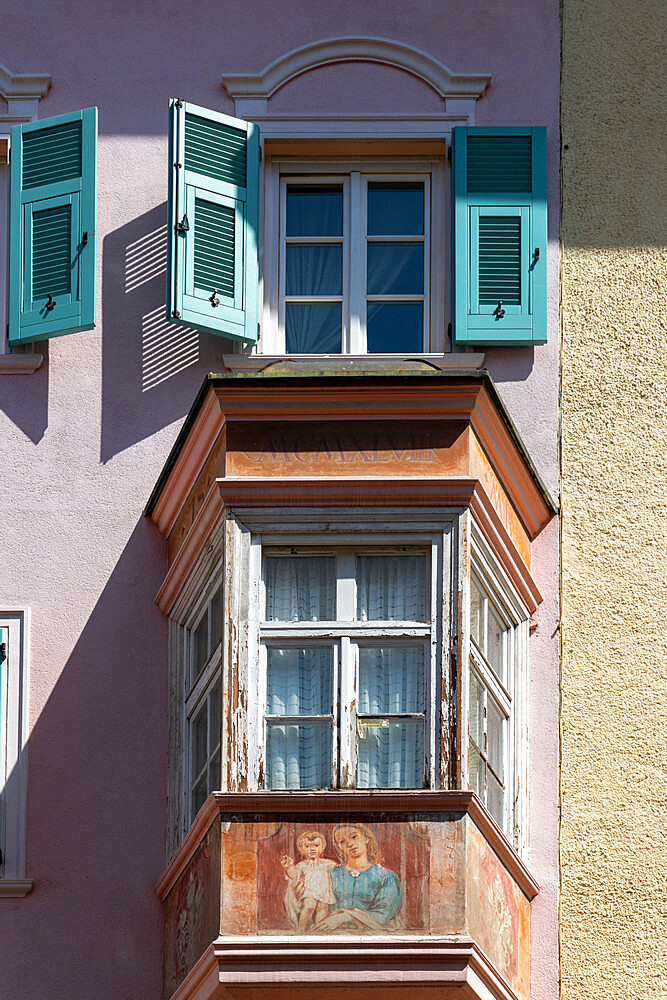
(15, 888)
(241, 86)
(20, 364)
(23, 85)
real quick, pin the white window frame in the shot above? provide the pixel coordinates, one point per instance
(346, 635)
(510, 694)
(354, 175)
(14, 631)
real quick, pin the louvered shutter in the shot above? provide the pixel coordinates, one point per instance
(499, 221)
(212, 267)
(53, 195)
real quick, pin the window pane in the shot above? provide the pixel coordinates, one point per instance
(314, 211)
(298, 756)
(475, 772)
(391, 679)
(395, 268)
(199, 794)
(311, 328)
(313, 269)
(391, 755)
(300, 588)
(495, 735)
(214, 774)
(299, 680)
(391, 588)
(495, 799)
(395, 327)
(199, 743)
(476, 614)
(215, 713)
(200, 646)
(494, 643)
(475, 712)
(395, 209)
(216, 619)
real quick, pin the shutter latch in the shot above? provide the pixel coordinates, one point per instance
(498, 312)
(50, 303)
(183, 226)
(213, 299)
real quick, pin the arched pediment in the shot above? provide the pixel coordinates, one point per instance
(256, 90)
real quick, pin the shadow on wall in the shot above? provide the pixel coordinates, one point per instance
(141, 351)
(97, 788)
(24, 399)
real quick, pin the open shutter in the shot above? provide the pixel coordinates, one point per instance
(53, 194)
(499, 219)
(212, 267)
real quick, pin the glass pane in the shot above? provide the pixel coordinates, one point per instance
(391, 755)
(475, 772)
(314, 211)
(214, 774)
(495, 799)
(311, 328)
(200, 646)
(395, 268)
(298, 756)
(313, 269)
(391, 679)
(395, 327)
(476, 614)
(395, 209)
(199, 742)
(216, 619)
(300, 588)
(214, 715)
(299, 681)
(495, 737)
(199, 794)
(494, 642)
(475, 712)
(392, 588)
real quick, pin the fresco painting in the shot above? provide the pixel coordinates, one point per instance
(343, 877)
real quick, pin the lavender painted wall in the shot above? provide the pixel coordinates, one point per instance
(86, 436)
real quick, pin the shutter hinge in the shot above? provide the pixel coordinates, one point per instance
(449, 154)
(449, 330)
(175, 313)
(178, 102)
(183, 226)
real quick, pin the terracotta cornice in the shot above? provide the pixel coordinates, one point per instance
(408, 961)
(347, 803)
(211, 511)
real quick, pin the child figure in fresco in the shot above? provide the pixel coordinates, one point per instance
(315, 875)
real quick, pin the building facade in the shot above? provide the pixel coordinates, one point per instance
(613, 488)
(280, 396)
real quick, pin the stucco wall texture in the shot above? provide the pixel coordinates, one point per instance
(614, 496)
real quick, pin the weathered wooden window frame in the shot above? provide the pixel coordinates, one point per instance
(14, 687)
(354, 176)
(346, 635)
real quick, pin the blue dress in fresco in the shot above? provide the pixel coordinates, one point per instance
(375, 891)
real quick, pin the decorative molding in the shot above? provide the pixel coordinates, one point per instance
(20, 364)
(15, 888)
(22, 91)
(259, 88)
(348, 803)
(413, 961)
(202, 981)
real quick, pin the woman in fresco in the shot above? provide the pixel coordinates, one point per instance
(367, 896)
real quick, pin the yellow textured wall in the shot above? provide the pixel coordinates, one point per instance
(614, 495)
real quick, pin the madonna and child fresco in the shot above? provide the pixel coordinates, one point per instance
(352, 892)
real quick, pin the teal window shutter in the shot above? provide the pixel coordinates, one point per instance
(52, 247)
(499, 222)
(212, 262)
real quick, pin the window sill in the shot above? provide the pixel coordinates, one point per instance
(15, 888)
(20, 364)
(359, 362)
